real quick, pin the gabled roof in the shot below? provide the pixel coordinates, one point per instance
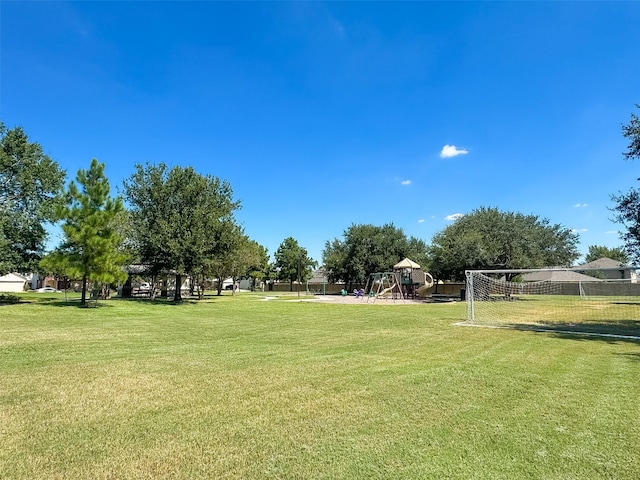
(558, 276)
(604, 262)
(13, 277)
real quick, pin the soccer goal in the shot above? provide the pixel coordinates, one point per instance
(599, 298)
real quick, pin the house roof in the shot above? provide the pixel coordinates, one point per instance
(558, 276)
(604, 262)
(13, 277)
(319, 276)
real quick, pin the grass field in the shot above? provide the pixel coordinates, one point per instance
(235, 387)
(617, 315)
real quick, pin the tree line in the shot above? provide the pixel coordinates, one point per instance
(180, 222)
(177, 222)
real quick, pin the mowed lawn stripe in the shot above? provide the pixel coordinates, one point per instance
(233, 387)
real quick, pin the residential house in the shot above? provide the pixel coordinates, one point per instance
(14, 282)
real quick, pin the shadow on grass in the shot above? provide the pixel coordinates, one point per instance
(75, 303)
(614, 331)
(45, 301)
(56, 301)
(164, 301)
(631, 356)
(109, 303)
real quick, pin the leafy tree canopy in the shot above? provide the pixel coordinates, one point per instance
(292, 262)
(631, 132)
(258, 267)
(91, 246)
(175, 215)
(600, 251)
(490, 239)
(366, 249)
(627, 205)
(237, 256)
(30, 184)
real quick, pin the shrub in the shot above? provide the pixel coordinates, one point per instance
(7, 298)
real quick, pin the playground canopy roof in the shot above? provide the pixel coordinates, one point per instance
(406, 263)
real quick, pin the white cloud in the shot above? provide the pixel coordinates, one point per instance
(611, 232)
(581, 205)
(405, 182)
(579, 230)
(421, 220)
(454, 216)
(449, 151)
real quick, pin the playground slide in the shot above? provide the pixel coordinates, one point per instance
(384, 292)
(422, 291)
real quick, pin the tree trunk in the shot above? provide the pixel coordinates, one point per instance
(83, 298)
(178, 295)
(291, 285)
(201, 285)
(192, 284)
(507, 291)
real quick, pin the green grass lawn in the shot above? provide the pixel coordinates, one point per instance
(609, 315)
(235, 387)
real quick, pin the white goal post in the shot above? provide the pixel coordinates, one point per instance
(554, 296)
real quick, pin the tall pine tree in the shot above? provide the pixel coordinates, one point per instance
(90, 249)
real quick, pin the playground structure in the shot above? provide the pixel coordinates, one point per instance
(406, 281)
(422, 290)
(383, 285)
(414, 282)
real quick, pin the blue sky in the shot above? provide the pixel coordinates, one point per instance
(321, 115)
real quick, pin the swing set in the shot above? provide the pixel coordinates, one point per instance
(383, 285)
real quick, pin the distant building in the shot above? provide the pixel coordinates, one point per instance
(14, 282)
(319, 283)
(611, 269)
(557, 276)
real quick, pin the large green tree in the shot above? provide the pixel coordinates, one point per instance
(366, 249)
(235, 255)
(91, 246)
(600, 251)
(175, 215)
(292, 262)
(627, 205)
(30, 184)
(259, 268)
(488, 238)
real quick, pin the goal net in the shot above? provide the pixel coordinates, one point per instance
(570, 297)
